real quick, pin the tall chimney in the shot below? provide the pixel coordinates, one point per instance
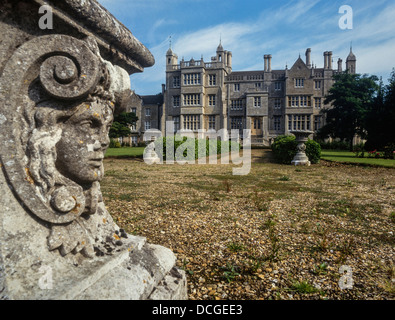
(326, 60)
(269, 64)
(340, 65)
(265, 58)
(330, 60)
(308, 58)
(229, 59)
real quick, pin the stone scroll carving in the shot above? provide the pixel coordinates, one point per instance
(60, 97)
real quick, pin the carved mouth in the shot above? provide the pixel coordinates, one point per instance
(96, 162)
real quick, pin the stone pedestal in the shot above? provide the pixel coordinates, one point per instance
(59, 90)
(135, 269)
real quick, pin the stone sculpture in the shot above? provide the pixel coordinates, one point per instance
(300, 158)
(150, 155)
(58, 97)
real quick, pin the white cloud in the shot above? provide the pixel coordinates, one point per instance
(205, 41)
(285, 33)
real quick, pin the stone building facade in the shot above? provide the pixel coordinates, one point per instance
(149, 111)
(196, 93)
(210, 95)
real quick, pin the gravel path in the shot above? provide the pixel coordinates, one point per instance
(281, 232)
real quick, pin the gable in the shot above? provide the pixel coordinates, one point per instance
(300, 68)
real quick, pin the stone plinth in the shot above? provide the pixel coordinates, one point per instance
(59, 90)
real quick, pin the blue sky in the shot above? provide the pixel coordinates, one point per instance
(253, 28)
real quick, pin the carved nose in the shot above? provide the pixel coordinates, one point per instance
(105, 142)
(97, 145)
(102, 140)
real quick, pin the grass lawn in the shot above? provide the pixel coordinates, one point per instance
(349, 157)
(125, 152)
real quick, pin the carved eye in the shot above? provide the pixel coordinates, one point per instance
(86, 124)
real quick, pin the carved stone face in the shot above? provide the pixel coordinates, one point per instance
(53, 144)
(83, 143)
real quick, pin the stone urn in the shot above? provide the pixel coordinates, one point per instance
(150, 155)
(60, 89)
(301, 158)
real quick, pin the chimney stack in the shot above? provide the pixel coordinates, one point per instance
(265, 57)
(340, 65)
(308, 58)
(268, 62)
(326, 60)
(330, 60)
(229, 59)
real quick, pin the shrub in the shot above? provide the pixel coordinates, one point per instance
(141, 144)
(334, 145)
(126, 144)
(284, 149)
(313, 151)
(201, 146)
(359, 150)
(389, 151)
(375, 154)
(114, 144)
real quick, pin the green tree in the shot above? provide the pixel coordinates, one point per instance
(122, 123)
(351, 98)
(381, 118)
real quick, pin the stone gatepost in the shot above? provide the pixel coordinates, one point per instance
(64, 72)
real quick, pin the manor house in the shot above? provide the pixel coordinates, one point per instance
(210, 95)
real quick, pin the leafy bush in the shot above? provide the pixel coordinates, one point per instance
(313, 151)
(284, 149)
(334, 145)
(114, 144)
(142, 144)
(204, 147)
(389, 151)
(359, 150)
(125, 144)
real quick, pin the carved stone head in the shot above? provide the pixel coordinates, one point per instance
(59, 108)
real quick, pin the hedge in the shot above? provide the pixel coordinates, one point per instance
(185, 144)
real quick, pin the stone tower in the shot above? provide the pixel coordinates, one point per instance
(351, 63)
(171, 58)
